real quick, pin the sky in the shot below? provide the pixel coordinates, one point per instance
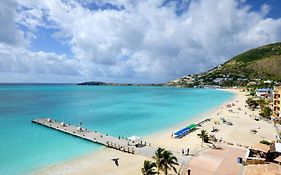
(128, 41)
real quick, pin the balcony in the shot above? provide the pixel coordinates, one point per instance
(276, 103)
(276, 96)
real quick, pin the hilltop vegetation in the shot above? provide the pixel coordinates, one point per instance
(259, 63)
(266, 51)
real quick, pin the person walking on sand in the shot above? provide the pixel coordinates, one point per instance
(187, 151)
(182, 151)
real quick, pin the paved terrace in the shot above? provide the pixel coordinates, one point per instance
(216, 162)
(263, 169)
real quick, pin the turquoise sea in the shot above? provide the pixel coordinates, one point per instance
(125, 111)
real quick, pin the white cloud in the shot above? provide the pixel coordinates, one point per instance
(21, 61)
(144, 42)
(265, 8)
(8, 31)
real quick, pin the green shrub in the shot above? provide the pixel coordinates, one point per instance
(252, 103)
(266, 112)
(265, 142)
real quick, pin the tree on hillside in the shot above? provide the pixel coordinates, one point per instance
(252, 103)
(252, 93)
(204, 137)
(262, 103)
(148, 168)
(266, 112)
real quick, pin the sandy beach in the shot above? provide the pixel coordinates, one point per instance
(239, 133)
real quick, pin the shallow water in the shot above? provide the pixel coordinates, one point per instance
(124, 111)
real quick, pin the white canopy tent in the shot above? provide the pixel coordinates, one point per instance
(278, 147)
(134, 138)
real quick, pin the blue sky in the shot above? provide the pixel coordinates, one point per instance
(128, 40)
(275, 6)
(45, 41)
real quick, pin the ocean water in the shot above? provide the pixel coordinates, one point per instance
(125, 111)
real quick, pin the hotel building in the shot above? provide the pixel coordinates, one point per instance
(277, 101)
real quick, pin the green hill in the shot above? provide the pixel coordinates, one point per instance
(259, 63)
(262, 63)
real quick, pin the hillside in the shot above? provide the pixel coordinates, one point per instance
(262, 63)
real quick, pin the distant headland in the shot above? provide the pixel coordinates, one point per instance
(99, 83)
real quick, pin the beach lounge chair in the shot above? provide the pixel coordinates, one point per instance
(229, 123)
(215, 129)
(226, 121)
(253, 131)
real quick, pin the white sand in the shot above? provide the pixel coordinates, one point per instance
(100, 163)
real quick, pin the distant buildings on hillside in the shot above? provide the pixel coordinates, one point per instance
(183, 81)
(264, 92)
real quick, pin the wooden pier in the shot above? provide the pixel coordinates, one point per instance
(120, 144)
(129, 146)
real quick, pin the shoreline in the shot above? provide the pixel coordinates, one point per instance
(65, 166)
(196, 119)
(100, 162)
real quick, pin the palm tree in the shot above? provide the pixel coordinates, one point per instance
(165, 160)
(204, 136)
(148, 168)
(168, 162)
(158, 156)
